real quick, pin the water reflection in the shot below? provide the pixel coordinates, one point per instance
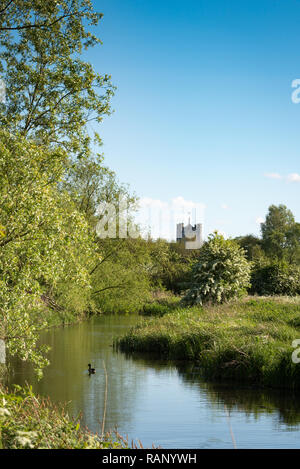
(285, 404)
(157, 401)
(236, 397)
(67, 380)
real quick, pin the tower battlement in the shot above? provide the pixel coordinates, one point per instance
(191, 234)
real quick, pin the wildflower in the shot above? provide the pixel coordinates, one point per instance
(4, 412)
(25, 439)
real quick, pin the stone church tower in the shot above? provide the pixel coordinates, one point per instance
(192, 235)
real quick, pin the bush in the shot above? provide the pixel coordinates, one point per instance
(275, 279)
(221, 273)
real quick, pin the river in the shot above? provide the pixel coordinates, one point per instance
(158, 402)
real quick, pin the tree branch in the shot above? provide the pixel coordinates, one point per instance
(5, 8)
(38, 25)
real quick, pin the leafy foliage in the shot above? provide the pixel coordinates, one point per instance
(252, 246)
(170, 265)
(280, 233)
(50, 184)
(51, 93)
(45, 240)
(277, 278)
(221, 272)
(121, 280)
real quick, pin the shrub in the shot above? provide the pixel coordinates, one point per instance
(277, 278)
(221, 273)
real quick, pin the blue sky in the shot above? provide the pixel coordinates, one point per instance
(203, 108)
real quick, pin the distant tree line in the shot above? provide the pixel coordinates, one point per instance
(275, 256)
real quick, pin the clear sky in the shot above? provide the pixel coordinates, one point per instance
(203, 108)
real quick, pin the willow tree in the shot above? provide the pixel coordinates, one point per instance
(43, 241)
(51, 93)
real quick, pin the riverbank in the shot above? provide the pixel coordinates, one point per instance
(247, 341)
(160, 303)
(31, 422)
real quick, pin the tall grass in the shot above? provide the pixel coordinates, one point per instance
(248, 340)
(161, 306)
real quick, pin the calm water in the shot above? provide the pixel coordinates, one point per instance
(156, 401)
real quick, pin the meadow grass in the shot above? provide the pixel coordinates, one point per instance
(249, 340)
(161, 306)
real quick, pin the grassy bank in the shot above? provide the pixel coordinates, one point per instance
(160, 307)
(249, 341)
(27, 421)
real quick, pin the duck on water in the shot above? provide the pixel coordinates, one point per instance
(91, 370)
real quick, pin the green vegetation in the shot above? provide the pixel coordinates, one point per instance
(160, 307)
(51, 92)
(30, 422)
(275, 257)
(53, 267)
(276, 278)
(248, 340)
(281, 234)
(171, 265)
(44, 241)
(54, 187)
(220, 273)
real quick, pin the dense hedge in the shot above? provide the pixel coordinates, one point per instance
(275, 279)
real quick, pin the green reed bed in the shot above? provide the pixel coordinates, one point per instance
(250, 340)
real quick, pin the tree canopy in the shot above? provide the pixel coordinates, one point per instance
(51, 93)
(280, 233)
(43, 240)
